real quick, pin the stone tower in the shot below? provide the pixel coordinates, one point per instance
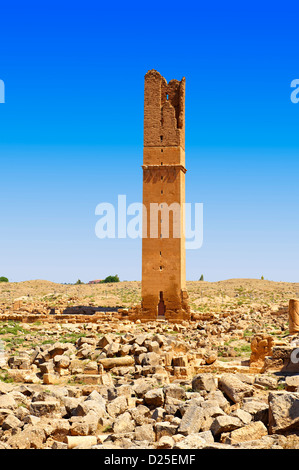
(163, 245)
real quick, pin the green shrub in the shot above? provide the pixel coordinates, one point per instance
(111, 279)
(3, 279)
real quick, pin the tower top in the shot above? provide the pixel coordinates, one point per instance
(164, 111)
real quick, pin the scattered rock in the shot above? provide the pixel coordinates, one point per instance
(283, 411)
(192, 419)
(234, 388)
(255, 430)
(204, 382)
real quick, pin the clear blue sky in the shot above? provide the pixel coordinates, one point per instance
(71, 132)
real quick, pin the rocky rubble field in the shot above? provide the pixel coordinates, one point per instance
(117, 384)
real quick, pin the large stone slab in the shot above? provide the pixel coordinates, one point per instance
(252, 431)
(234, 388)
(283, 411)
(192, 420)
(225, 424)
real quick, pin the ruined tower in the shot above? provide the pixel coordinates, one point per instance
(163, 245)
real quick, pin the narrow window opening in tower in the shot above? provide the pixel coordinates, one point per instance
(161, 305)
(161, 178)
(162, 150)
(160, 268)
(160, 253)
(161, 163)
(161, 191)
(161, 138)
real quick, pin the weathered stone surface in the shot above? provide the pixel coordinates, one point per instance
(266, 382)
(244, 416)
(207, 436)
(58, 428)
(220, 399)
(112, 349)
(261, 346)
(140, 414)
(84, 425)
(140, 339)
(48, 408)
(71, 404)
(85, 442)
(145, 432)
(204, 382)
(150, 359)
(225, 424)
(11, 422)
(210, 410)
(153, 346)
(292, 383)
(51, 379)
(210, 357)
(166, 442)
(293, 316)
(158, 414)
(142, 386)
(59, 349)
(283, 411)
(192, 420)
(4, 412)
(124, 423)
(234, 388)
(109, 363)
(62, 361)
(248, 379)
(7, 401)
(154, 398)
(106, 339)
(255, 430)
(117, 406)
(258, 409)
(192, 441)
(85, 341)
(92, 368)
(174, 391)
(32, 437)
(96, 396)
(164, 428)
(265, 442)
(90, 405)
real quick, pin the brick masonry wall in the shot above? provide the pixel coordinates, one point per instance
(163, 258)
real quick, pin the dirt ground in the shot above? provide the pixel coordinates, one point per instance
(221, 295)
